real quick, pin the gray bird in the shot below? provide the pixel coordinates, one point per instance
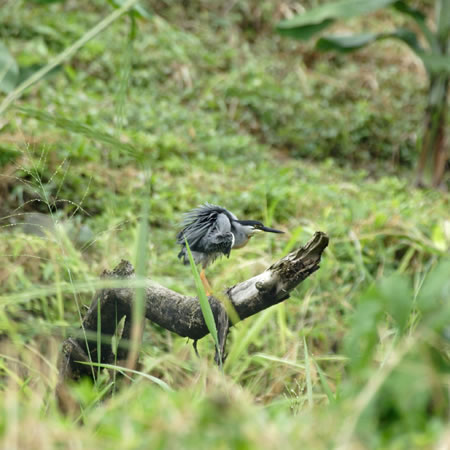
(212, 231)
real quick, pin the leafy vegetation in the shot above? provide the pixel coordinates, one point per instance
(435, 57)
(200, 102)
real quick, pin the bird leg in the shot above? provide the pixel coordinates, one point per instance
(205, 282)
(194, 344)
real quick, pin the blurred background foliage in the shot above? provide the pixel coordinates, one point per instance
(430, 45)
(216, 106)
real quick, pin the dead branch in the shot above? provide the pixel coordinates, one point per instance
(180, 313)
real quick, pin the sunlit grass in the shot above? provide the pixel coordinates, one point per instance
(208, 315)
(358, 356)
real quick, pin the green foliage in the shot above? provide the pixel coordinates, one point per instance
(78, 128)
(356, 41)
(11, 74)
(138, 10)
(8, 156)
(204, 303)
(306, 25)
(433, 299)
(9, 71)
(406, 396)
(45, 2)
(317, 19)
(435, 58)
(220, 110)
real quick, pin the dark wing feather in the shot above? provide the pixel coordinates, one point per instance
(216, 242)
(207, 230)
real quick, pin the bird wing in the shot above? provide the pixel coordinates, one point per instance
(207, 230)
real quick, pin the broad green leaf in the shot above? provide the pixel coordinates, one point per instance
(438, 237)
(404, 8)
(434, 296)
(9, 71)
(436, 63)
(443, 15)
(305, 32)
(353, 42)
(397, 294)
(362, 337)
(345, 43)
(420, 18)
(305, 25)
(138, 10)
(408, 37)
(27, 71)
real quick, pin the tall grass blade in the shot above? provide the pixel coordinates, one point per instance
(65, 287)
(124, 370)
(137, 316)
(204, 303)
(99, 334)
(324, 383)
(282, 325)
(309, 391)
(125, 75)
(94, 402)
(65, 55)
(295, 235)
(78, 128)
(278, 361)
(247, 334)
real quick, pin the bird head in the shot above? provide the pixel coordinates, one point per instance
(252, 227)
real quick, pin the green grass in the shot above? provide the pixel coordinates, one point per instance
(207, 313)
(221, 109)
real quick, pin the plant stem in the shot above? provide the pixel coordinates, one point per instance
(65, 55)
(433, 156)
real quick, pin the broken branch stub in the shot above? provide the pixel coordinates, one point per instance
(274, 285)
(182, 314)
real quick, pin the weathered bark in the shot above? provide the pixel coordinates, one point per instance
(182, 314)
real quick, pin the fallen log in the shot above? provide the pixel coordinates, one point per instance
(179, 313)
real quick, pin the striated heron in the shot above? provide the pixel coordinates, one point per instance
(212, 231)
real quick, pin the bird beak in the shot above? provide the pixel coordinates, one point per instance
(271, 230)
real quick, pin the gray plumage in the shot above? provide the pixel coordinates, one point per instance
(212, 231)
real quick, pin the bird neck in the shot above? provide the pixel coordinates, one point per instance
(240, 238)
